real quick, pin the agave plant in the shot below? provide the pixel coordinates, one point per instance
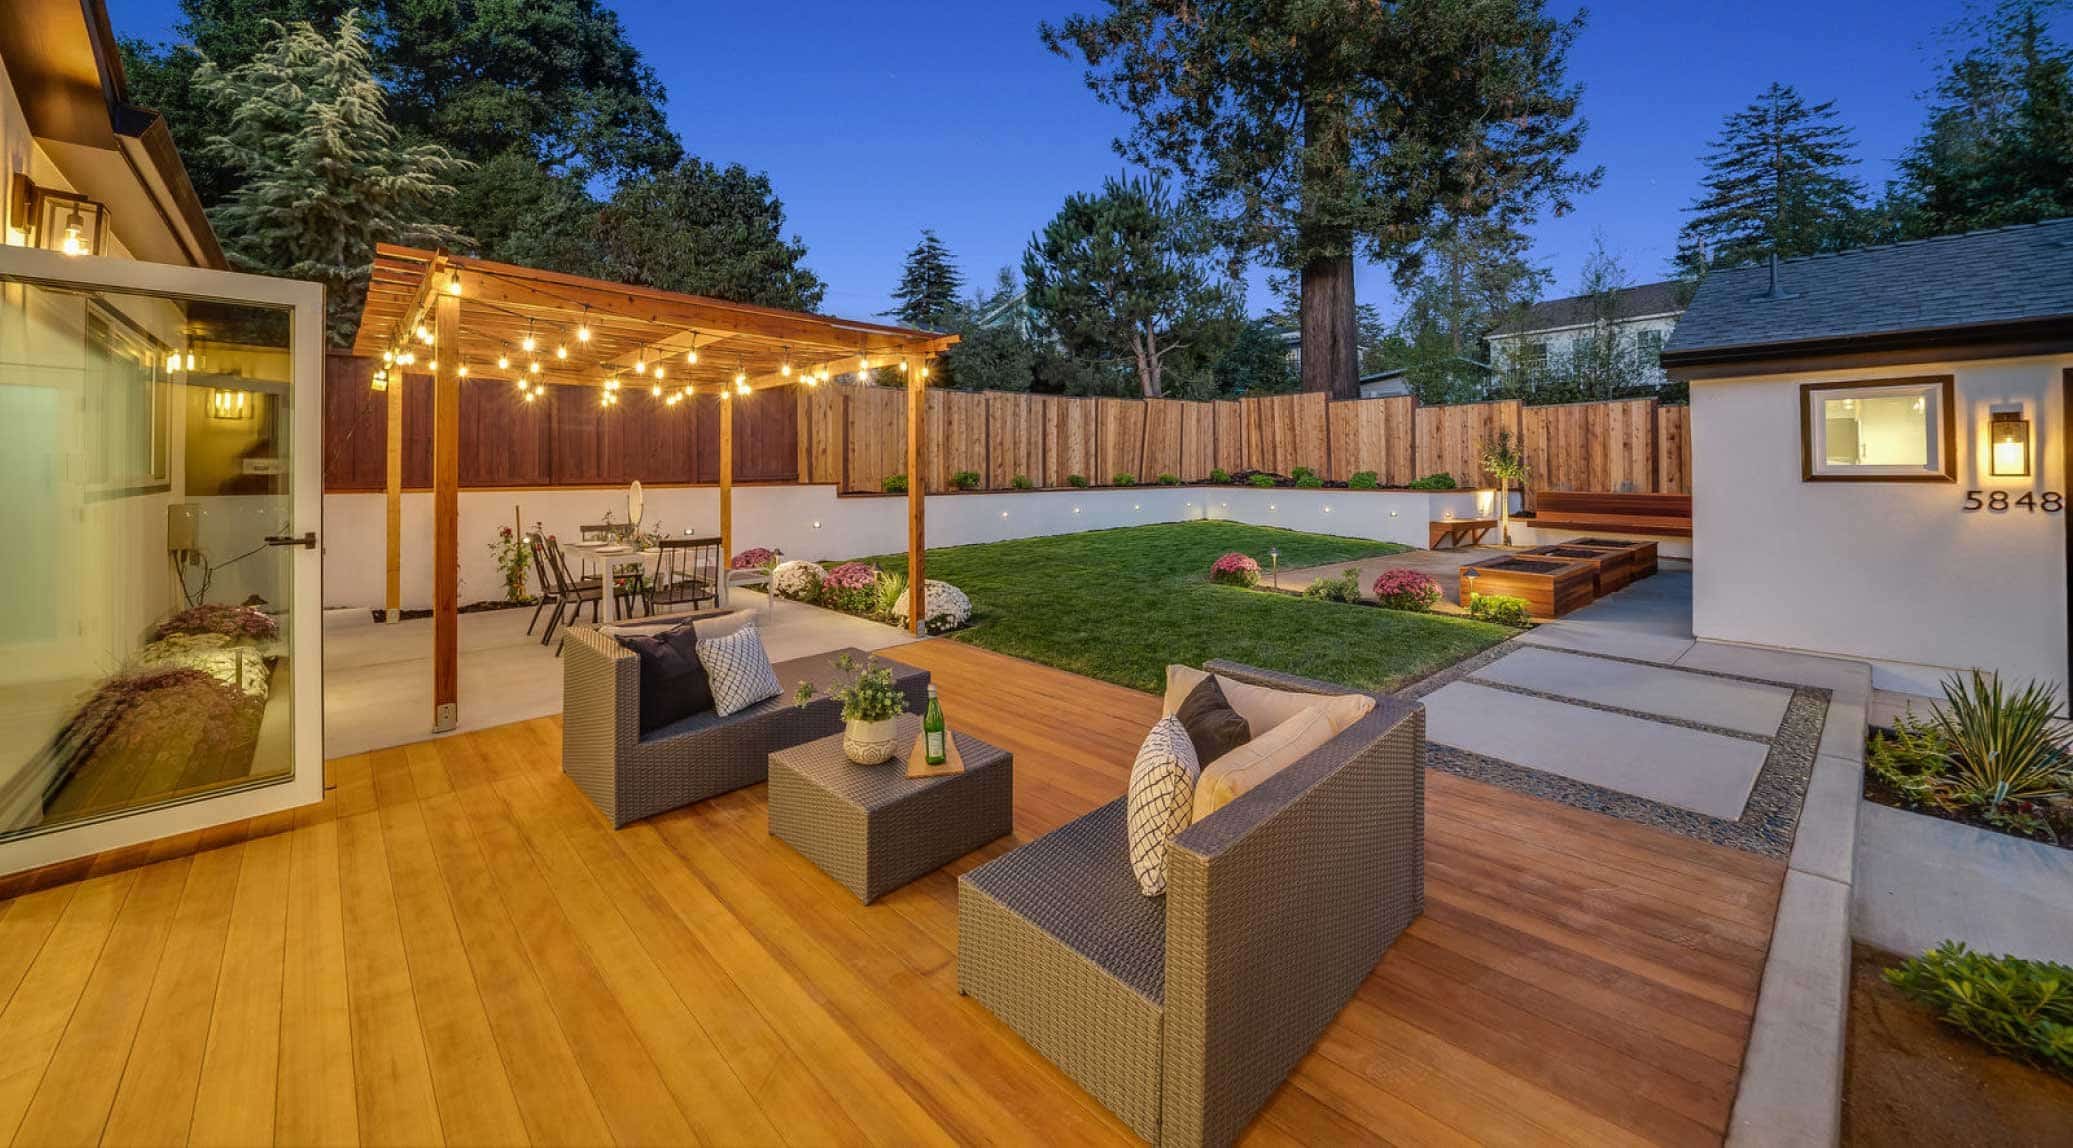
(2004, 745)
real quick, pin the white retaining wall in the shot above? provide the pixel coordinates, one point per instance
(812, 522)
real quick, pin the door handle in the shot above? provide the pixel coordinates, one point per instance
(306, 541)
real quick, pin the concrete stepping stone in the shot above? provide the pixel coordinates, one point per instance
(1742, 706)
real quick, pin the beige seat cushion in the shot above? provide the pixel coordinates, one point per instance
(1262, 707)
(1244, 768)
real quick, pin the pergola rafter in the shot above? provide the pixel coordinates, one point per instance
(474, 313)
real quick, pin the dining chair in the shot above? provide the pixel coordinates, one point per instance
(549, 587)
(572, 593)
(687, 572)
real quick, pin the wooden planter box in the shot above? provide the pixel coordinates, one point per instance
(1613, 568)
(1551, 587)
(1644, 552)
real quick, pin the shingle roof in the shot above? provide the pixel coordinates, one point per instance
(1980, 278)
(1577, 310)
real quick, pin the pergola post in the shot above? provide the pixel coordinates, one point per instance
(446, 513)
(392, 600)
(725, 407)
(917, 495)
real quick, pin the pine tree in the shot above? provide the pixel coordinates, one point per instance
(704, 229)
(929, 284)
(1471, 279)
(1998, 146)
(323, 176)
(1775, 183)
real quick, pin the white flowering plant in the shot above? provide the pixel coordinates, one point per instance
(945, 607)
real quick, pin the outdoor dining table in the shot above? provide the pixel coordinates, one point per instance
(614, 557)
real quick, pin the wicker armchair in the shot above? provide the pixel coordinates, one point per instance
(1183, 1013)
(629, 776)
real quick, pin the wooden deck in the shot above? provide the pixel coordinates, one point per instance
(454, 947)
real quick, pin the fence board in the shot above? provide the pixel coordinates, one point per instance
(1450, 439)
(1162, 438)
(1119, 443)
(1674, 450)
(1070, 430)
(821, 433)
(1372, 434)
(1230, 435)
(875, 436)
(1197, 441)
(1606, 446)
(1014, 439)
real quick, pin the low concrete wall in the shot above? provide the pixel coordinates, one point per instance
(814, 522)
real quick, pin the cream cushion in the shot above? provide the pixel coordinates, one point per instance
(1263, 708)
(1162, 791)
(1244, 768)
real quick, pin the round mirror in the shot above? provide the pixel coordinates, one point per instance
(633, 504)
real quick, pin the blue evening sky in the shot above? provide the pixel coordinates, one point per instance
(875, 120)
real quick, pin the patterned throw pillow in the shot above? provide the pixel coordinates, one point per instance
(739, 669)
(1161, 801)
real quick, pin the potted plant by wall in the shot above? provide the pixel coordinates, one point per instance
(871, 705)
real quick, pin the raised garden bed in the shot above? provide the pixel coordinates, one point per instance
(1613, 569)
(1644, 552)
(1550, 587)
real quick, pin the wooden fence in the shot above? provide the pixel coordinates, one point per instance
(857, 436)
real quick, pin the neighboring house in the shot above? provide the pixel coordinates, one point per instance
(1547, 332)
(1386, 384)
(1013, 313)
(1880, 454)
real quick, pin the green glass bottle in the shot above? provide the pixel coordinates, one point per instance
(934, 737)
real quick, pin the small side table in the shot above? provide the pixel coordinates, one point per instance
(873, 829)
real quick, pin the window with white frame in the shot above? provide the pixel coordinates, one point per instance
(1649, 346)
(1895, 430)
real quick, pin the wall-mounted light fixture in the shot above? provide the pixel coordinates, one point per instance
(227, 404)
(2008, 444)
(61, 221)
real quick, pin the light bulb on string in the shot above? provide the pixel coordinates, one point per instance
(453, 283)
(640, 365)
(660, 370)
(463, 371)
(785, 368)
(529, 344)
(691, 357)
(503, 362)
(561, 351)
(533, 367)
(583, 327)
(656, 390)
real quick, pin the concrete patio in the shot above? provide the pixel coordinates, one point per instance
(378, 678)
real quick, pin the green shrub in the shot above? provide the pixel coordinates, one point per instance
(1502, 609)
(1300, 473)
(1441, 481)
(1261, 479)
(1219, 474)
(1021, 482)
(1364, 480)
(893, 484)
(965, 480)
(1075, 480)
(2019, 1008)
(1344, 588)
(1309, 481)
(1169, 480)
(1123, 478)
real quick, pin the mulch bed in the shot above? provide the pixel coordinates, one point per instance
(1909, 1080)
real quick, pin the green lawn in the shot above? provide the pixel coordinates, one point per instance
(1122, 604)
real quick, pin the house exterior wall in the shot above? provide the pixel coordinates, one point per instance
(1506, 347)
(1892, 572)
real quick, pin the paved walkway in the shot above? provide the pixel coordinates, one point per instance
(378, 679)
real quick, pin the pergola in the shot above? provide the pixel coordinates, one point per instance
(452, 317)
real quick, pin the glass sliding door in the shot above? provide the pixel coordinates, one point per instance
(157, 601)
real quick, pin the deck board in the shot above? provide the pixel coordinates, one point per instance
(455, 946)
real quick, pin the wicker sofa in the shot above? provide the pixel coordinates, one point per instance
(629, 776)
(1183, 1013)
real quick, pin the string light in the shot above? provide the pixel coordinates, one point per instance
(433, 365)
(530, 396)
(529, 344)
(659, 369)
(533, 367)
(453, 283)
(423, 335)
(583, 327)
(656, 390)
(691, 356)
(388, 359)
(561, 351)
(903, 366)
(503, 362)
(406, 358)
(785, 368)
(464, 370)
(640, 365)
(190, 361)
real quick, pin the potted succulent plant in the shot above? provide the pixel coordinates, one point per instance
(871, 706)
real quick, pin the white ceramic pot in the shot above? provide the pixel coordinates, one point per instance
(868, 742)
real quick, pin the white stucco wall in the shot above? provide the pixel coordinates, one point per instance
(812, 522)
(1893, 572)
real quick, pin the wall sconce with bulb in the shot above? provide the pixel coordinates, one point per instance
(61, 221)
(2008, 444)
(230, 405)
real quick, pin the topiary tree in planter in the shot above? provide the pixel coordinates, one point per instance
(1503, 459)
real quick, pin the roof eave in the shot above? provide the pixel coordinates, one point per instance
(2009, 339)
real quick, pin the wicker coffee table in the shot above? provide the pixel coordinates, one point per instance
(873, 829)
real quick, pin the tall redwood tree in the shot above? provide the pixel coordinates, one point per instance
(1318, 131)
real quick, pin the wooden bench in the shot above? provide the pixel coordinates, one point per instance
(1661, 514)
(1458, 532)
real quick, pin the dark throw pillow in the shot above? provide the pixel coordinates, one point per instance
(1213, 726)
(673, 681)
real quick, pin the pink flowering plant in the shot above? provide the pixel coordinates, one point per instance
(851, 588)
(1400, 588)
(1235, 569)
(755, 558)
